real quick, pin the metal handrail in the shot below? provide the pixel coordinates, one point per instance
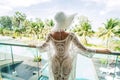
(22, 45)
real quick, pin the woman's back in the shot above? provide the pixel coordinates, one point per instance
(62, 61)
(60, 35)
(61, 42)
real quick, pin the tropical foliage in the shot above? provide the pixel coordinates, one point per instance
(37, 58)
(6, 22)
(18, 26)
(111, 28)
(83, 28)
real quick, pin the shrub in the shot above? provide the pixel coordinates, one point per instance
(37, 59)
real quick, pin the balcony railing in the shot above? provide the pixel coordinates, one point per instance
(17, 62)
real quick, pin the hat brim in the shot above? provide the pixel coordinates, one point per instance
(69, 20)
(63, 21)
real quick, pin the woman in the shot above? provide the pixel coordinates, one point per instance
(62, 62)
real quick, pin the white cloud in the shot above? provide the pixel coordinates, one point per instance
(25, 3)
(107, 3)
(97, 1)
(4, 10)
(22, 3)
(8, 5)
(5, 7)
(102, 12)
(110, 5)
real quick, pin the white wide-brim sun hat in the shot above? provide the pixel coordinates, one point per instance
(63, 21)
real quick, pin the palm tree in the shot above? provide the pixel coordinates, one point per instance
(18, 19)
(2, 31)
(109, 30)
(49, 23)
(30, 29)
(17, 23)
(83, 28)
(48, 26)
(26, 25)
(117, 30)
(17, 33)
(36, 28)
(40, 26)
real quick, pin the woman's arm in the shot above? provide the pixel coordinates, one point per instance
(83, 48)
(43, 45)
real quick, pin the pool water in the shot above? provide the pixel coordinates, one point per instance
(6, 79)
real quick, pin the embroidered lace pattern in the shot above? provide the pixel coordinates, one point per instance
(63, 61)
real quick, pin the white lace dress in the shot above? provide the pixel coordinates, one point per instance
(62, 57)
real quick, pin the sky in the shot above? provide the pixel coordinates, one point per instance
(97, 11)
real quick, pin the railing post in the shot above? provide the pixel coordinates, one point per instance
(115, 66)
(37, 62)
(12, 58)
(0, 75)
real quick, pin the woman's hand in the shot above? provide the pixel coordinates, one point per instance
(103, 51)
(106, 51)
(32, 46)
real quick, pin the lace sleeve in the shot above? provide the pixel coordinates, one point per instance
(45, 44)
(77, 42)
(87, 51)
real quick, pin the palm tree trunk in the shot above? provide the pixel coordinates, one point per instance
(84, 38)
